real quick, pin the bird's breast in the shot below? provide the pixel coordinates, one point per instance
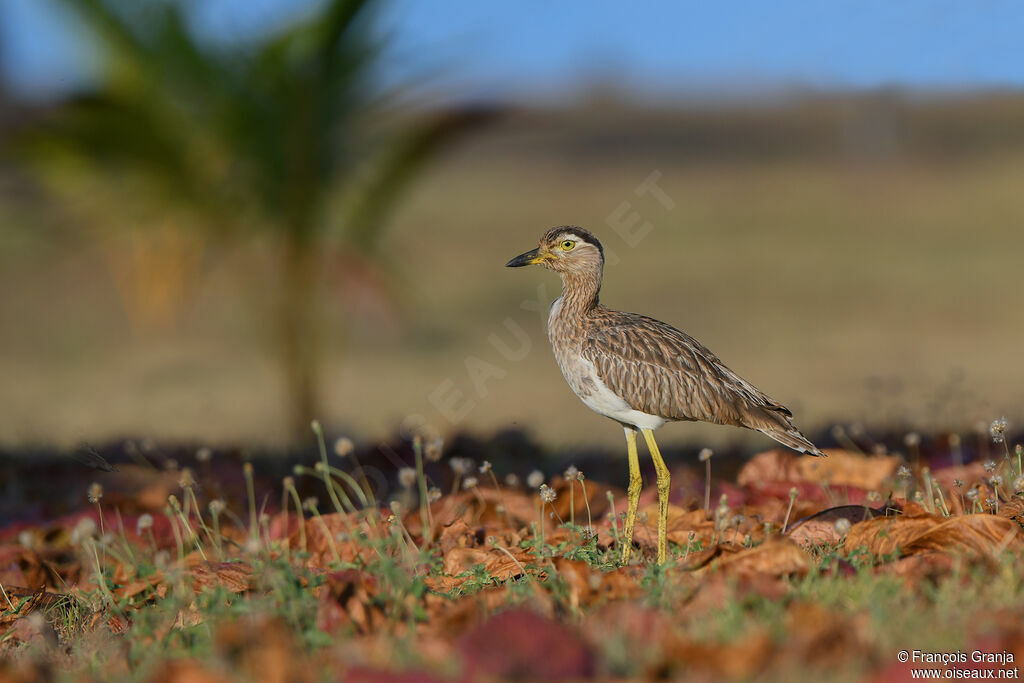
(581, 375)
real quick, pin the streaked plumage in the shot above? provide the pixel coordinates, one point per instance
(640, 371)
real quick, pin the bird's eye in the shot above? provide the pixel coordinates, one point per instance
(567, 245)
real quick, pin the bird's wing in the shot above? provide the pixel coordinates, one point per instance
(663, 371)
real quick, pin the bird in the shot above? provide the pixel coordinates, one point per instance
(641, 372)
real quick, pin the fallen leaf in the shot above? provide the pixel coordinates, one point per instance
(921, 568)
(984, 535)
(886, 535)
(497, 563)
(731, 660)
(520, 644)
(1013, 509)
(820, 528)
(346, 602)
(965, 534)
(838, 469)
(234, 576)
(457, 534)
(777, 557)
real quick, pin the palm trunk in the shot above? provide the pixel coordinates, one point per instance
(300, 333)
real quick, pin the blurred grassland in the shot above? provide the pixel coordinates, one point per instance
(859, 260)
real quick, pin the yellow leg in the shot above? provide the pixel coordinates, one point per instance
(664, 481)
(634, 493)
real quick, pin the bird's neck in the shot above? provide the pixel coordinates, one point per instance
(580, 292)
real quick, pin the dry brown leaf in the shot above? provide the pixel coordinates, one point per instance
(322, 540)
(136, 586)
(965, 534)
(451, 618)
(457, 534)
(1013, 509)
(187, 671)
(234, 576)
(519, 644)
(480, 507)
(921, 567)
(984, 535)
(497, 563)
(777, 557)
(638, 627)
(346, 602)
(816, 635)
(838, 469)
(259, 648)
(820, 528)
(731, 661)
(886, 535)
(596, 495)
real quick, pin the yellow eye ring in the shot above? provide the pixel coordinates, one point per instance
(566, 245)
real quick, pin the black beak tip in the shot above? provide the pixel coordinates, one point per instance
(522, 260)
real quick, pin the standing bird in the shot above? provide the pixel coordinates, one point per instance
(642, 372)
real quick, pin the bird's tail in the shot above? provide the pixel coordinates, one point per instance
(792, 438)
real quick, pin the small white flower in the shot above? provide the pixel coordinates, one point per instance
(485, 467)
(997, 430)
(433, 450)
(535, 479)
(204, 454)
(469, 483)
(512, 479)
(85, 529)
(912, 439)
(705, 454)
(547, 494)
(94, 493)
(144, 522)
(570, 473)
(407, 477)
(842, 526)
(343, 446)
(461, 466)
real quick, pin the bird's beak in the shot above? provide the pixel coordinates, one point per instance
(528, 259)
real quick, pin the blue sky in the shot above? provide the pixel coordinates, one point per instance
(670, 49)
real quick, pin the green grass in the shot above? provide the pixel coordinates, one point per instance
(877, 613)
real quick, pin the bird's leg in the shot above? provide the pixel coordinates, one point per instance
(634, 493)
(664, 481)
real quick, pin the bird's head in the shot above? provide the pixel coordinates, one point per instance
(565, 249)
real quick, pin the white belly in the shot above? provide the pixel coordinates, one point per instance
(582, 377)
(599, 398)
